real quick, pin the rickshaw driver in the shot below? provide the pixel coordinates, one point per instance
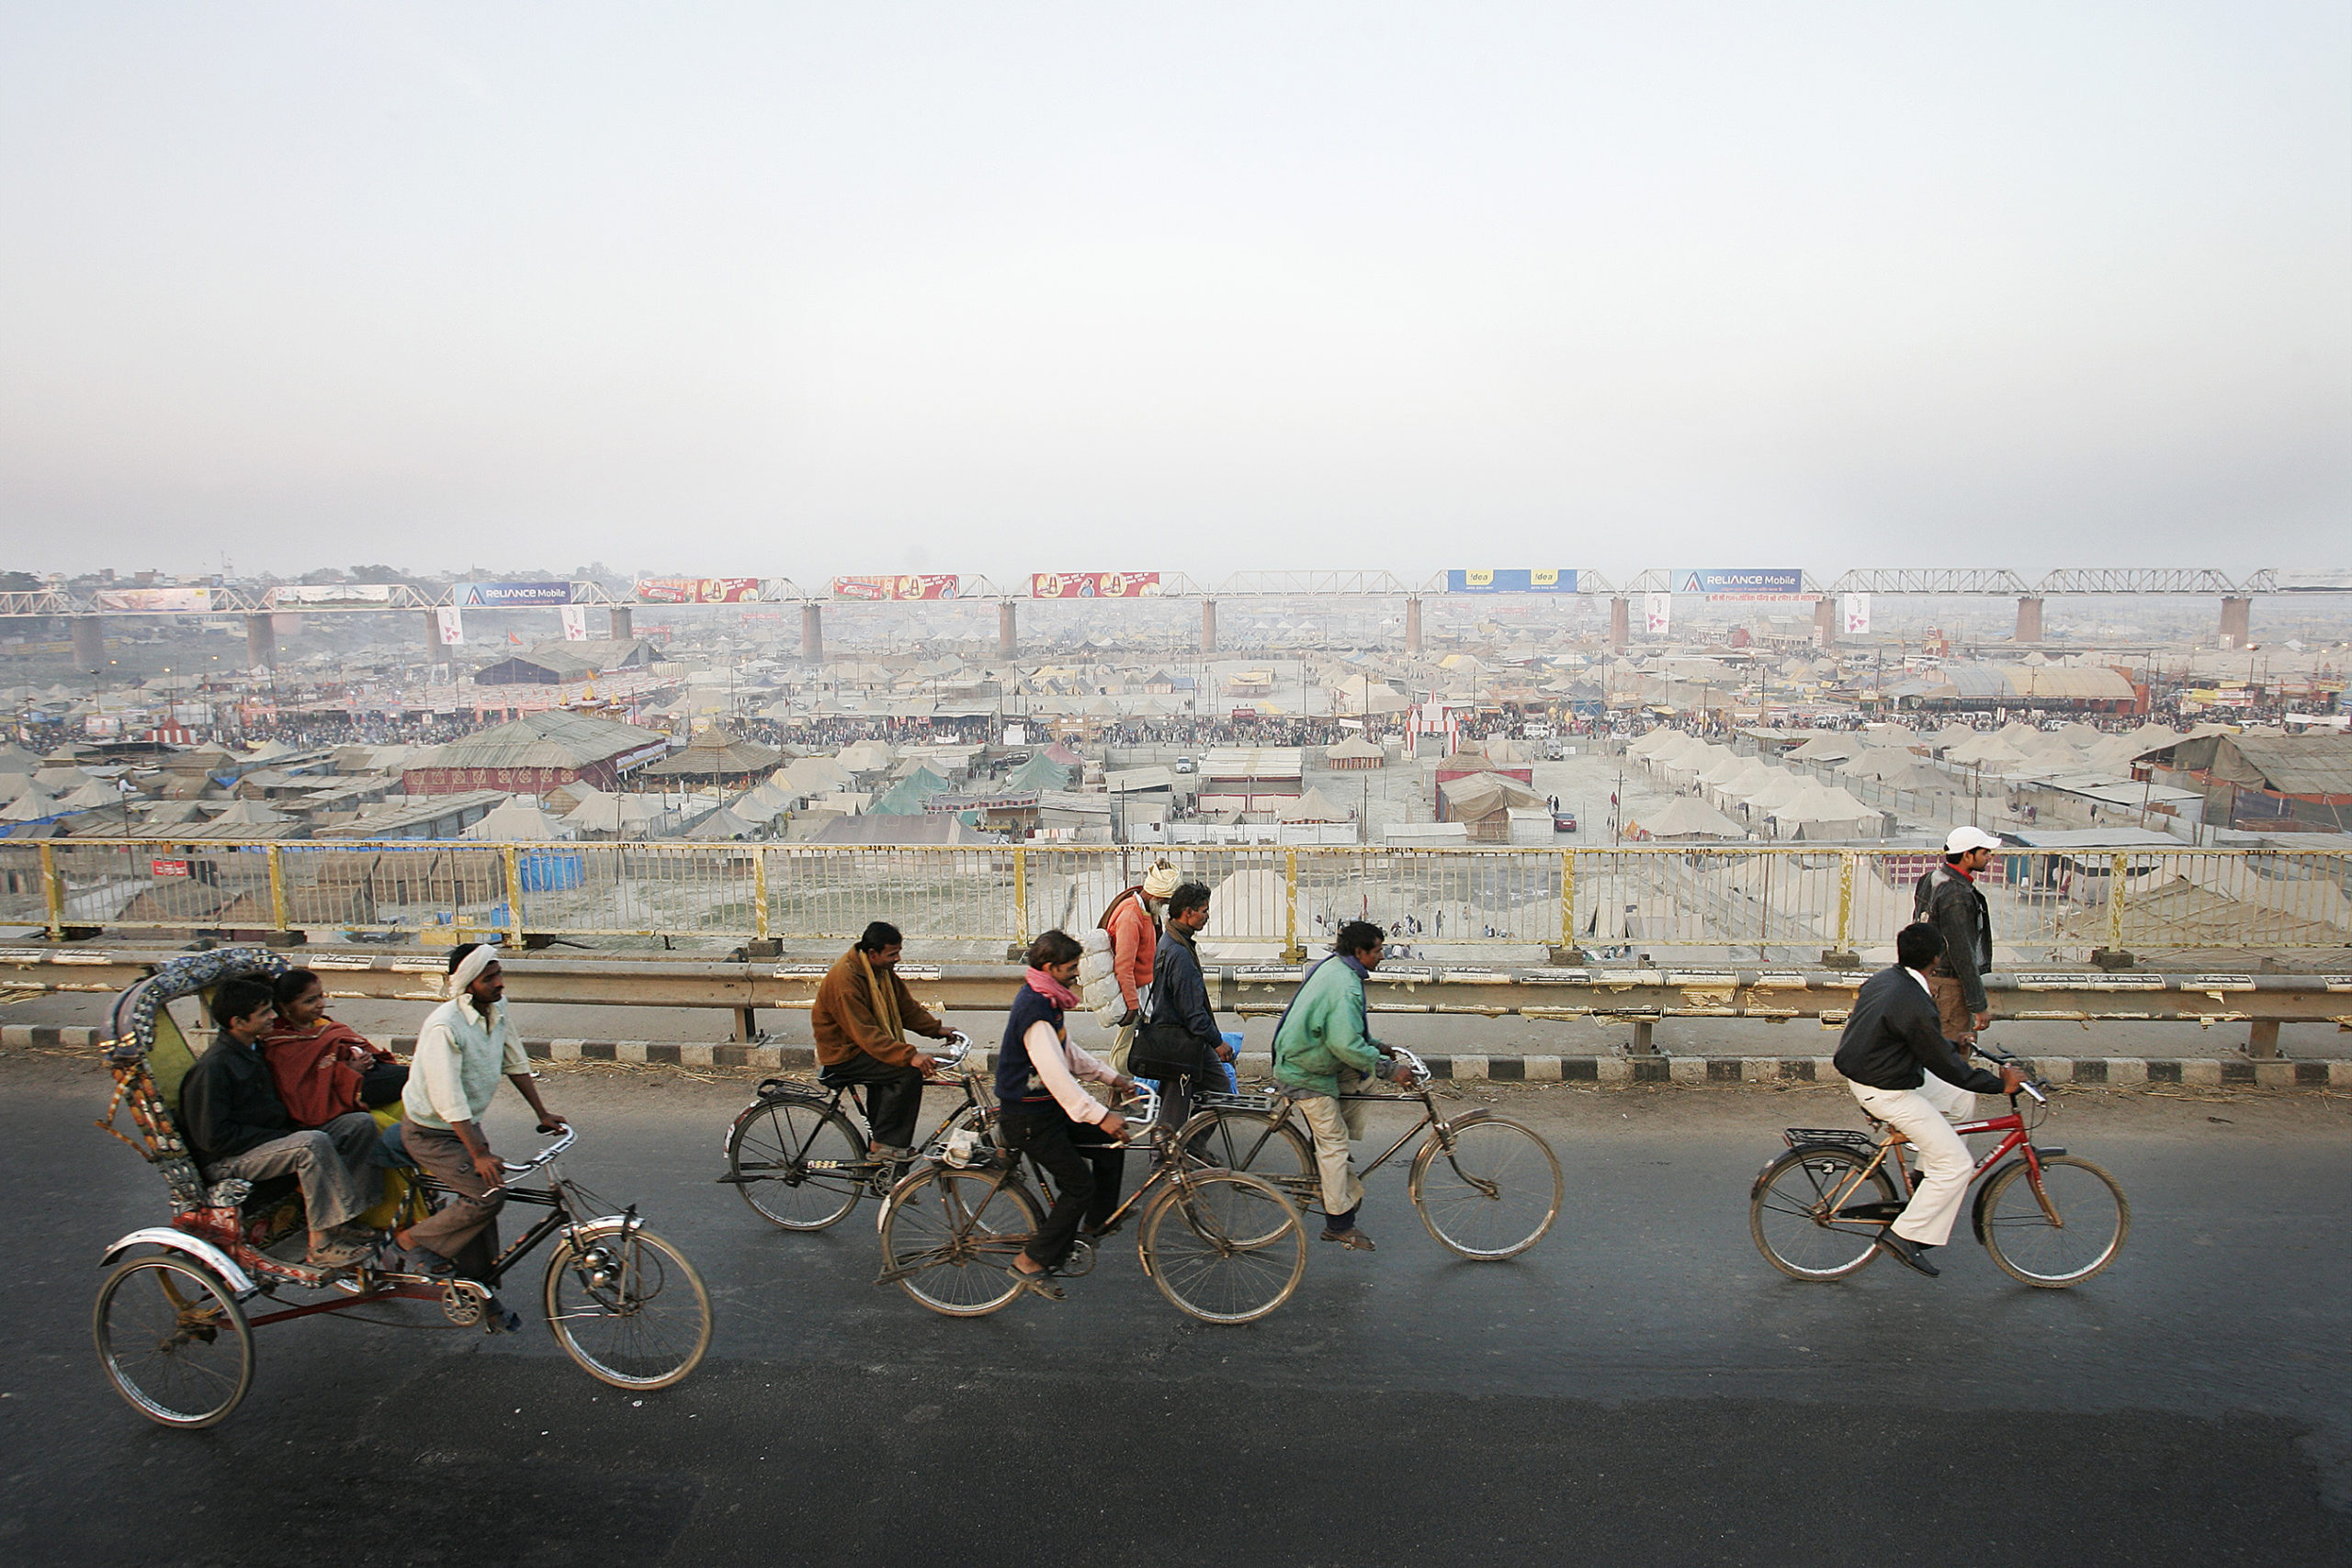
(463, 1047)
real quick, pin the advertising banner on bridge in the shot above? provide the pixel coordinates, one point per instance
(331, 596)
(449, 623)
(1511, 579)
(510, 595)
(1741, 583)
(697, 589)
(575, 623)
(1657, 612)
(1095, 585)
(172, 599)
(1854, 614)
(2312, 582)
(915, 585)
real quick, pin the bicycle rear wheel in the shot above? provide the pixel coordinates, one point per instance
(2076, 1236)
(1249, 1140)
(173, 1342)
(801, 1164)
(1492, 1195)
(949, 1237)
(1224, 1245)
(633, 1312)
(1789, 1213)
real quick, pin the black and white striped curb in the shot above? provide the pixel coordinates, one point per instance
(2113, 1072)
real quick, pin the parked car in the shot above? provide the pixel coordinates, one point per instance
(1564, 821)
(1184, 765)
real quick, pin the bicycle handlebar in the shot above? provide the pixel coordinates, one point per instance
(1419, 1068)
(2033, 1085)
(958, 1046)
(545, 1154)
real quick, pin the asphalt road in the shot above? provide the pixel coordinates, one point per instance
(1640, 1389)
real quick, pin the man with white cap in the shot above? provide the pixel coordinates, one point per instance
(1133, 922)
(1948, 898)
(465, 1046)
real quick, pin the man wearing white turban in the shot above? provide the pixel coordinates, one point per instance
(462, 1049)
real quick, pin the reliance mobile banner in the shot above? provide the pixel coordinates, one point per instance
(174, 599)
(697, 589)
(1739, 584)
(1095, 585)
(1511, 579)
(910, 587)
(510, 595)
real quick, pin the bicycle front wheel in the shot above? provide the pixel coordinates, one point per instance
(629, 1307)
(949, 1237)
(1789, 1211)
(173, 1342)
(1224, 1245)
(1493, 1193)
(2062, 1234)
(801, 1165)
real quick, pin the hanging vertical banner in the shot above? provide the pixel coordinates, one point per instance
(451, 625)
(575, 623)
(1658, 611)
(1855, 608)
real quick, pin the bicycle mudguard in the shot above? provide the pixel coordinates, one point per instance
(240, 1284)
(1983, 1191)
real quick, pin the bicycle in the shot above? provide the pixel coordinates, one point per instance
(2048, 1219)
(1485, 1186)
(802, 1162)
(1221, 1245)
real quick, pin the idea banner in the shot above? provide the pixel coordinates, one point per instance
(912, 586)
(697, 589)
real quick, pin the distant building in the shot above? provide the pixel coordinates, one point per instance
(555, 663)
(535, 754)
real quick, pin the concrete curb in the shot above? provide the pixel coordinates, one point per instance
(1722, 1072)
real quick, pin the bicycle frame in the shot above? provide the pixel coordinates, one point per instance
(2015, 1138)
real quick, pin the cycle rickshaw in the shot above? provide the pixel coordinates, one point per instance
(174, 1319)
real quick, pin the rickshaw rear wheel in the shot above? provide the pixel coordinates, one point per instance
(173, 1342)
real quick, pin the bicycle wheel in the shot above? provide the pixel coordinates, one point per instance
(800, 1164)
(1492, 1195)
(1788, 1212)
(172, 1340)
(1223, 1246)
(633, 1312)
(2076, 1236)
(950, 1236)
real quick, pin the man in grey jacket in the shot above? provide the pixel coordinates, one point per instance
(1948, 899)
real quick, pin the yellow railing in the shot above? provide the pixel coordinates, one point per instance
(1753, 898)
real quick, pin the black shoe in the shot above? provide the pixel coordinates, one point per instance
(1910, 1253)
(1040, 1283)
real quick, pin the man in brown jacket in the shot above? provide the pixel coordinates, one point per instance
(861, 1020)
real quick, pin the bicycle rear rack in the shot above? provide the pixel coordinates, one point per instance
(1843, 1137)
(1219, 1100)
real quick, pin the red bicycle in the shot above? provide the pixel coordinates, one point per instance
(2047, 1218)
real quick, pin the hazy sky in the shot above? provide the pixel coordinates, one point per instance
(803, 288)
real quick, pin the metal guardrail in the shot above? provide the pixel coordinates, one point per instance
(1714, 901)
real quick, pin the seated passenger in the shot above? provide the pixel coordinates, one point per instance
(237, 1126)
(325, 1069)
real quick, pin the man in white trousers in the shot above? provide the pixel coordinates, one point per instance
(1899, 1065)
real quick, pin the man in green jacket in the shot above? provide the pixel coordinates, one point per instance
(1323, 1050)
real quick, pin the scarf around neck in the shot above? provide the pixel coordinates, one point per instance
(886, 998)
(1052, 991)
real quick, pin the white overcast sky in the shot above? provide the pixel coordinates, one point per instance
(803, 288)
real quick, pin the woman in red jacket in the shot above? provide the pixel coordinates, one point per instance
(325, 1069)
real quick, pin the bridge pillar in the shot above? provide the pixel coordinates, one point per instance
(1208, 626)
(620, 625)
(1412, 625)
(1008, 629)
(812, 633)
(2029, 621)
(1824, 621)
(1620, 623)
(2238, 622)
(89, 643)
(433, 652)
(261, 642)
